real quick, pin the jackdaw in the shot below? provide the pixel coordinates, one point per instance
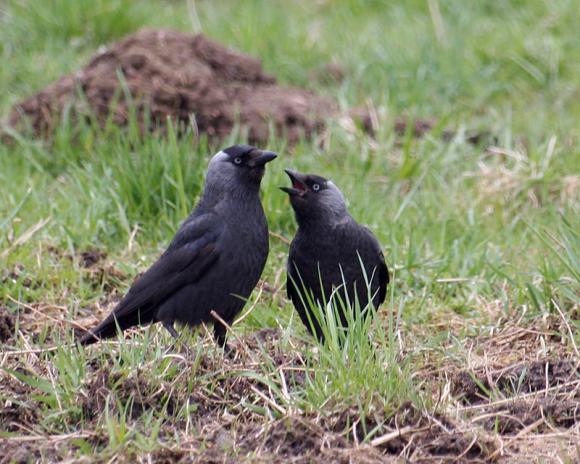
(329, 252)
(214, 261)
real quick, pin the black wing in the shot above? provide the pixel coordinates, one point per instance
(294, 280)
(383, 271)
(381, 266)
(302, 284)
(290, 285)
(190, 255)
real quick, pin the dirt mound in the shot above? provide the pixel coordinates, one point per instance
(170, 74)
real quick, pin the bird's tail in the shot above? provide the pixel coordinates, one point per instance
(114, 324)
(105, 329)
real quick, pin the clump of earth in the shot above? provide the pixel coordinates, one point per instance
(164, 74)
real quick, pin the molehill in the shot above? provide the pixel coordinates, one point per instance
(161, 74)
(166, 73)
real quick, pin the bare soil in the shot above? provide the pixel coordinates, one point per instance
(478, 387)
(92, 256)
(524, 410)
(168, 74)
(159, 75)
(6, 325)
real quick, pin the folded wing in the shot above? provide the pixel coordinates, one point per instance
(191, 255)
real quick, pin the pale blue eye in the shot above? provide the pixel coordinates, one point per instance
(316, 187)
(237, 160)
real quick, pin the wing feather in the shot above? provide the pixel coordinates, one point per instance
(190, 255)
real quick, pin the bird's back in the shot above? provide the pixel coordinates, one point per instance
(228, 247)
(242, 250)
(323, 260)
(215, 259)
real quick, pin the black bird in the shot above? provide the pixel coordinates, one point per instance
(329, 252)
(214, 261)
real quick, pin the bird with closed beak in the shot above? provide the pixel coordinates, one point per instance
(215, 259)
(331, 255)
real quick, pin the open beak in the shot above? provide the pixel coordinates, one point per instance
(298, 183)
(260, 158)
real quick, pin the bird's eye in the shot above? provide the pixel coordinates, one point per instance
(316, 187)
(237, 160)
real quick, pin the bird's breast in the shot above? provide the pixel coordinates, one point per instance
(246, 243)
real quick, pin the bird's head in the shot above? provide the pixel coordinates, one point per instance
(238, 167)
(315, 198)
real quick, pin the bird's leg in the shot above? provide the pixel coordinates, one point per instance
(219, 334)
(169, 326)
(171, 329)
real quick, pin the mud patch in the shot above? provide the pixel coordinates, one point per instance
(543, 415)
(18, 411)
(414, 435)
(7, 325)
(90, 257)
(293, 437)
(16, 453)
(135, 391)
(18, 275)
(106, 278)
(539, 397)
(478, 387)
(216, 408)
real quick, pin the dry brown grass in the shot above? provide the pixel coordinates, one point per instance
(513, 396)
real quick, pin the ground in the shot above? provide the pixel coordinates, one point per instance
(474, 355)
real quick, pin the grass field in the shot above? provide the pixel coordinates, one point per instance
(475, 352)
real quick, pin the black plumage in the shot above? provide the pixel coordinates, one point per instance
(214, 261)
(329, 252)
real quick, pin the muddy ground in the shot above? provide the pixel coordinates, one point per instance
(516, 399)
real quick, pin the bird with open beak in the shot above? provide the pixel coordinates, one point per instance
(331, 255)
(215, 259)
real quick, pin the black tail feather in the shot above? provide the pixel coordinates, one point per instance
(113, 325)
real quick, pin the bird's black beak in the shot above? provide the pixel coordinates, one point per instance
(298, 183)
(260, 158)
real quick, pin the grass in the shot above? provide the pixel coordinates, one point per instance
(482, 242)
